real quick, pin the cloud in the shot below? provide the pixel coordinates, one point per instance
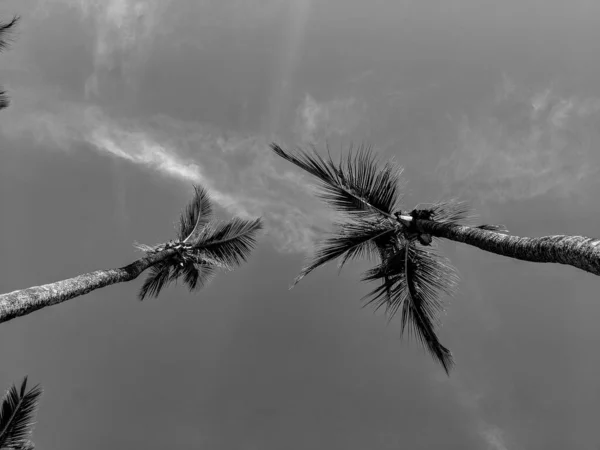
(242, 174)
(127, 32)
(525, 145)
(494, 437)
(124, 32)
(316, 120)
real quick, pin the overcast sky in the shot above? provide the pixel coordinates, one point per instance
(119, 106)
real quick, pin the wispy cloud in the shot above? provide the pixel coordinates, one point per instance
(493, 437)
(320, 120)
(527, 144)
(469, 398)
(242, 174)
(124, 32)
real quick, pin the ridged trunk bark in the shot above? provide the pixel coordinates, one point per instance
(25, 301)
(577, 251)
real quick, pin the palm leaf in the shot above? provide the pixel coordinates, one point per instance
(197, 276)
(349, 241)
(196, 215)
(159, 276)
(16, 415)
(228, 243)
(6, 32)
(413, 279)
(457, 212)
(453, 211)
(357, 186)
(422, 305)
(194, 274)
(4, 99)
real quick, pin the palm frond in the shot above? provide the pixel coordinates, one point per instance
(452, 211)
(4, 99)
(228, 243)
(16, 415)
(349, 241)
(197, 276)
(146, 248)
(390, 273)
(413, 279)
(420, 311)
(387, 251)
(6, 32)
(159, 276)
(6, 37)
(357, 186)
(196, 215)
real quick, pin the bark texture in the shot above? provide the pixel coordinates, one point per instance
(25, 301)
(577, 251)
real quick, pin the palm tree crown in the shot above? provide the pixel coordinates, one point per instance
(203, 246)
(412, 274)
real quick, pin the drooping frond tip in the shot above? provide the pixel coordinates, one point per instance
(357, 185)
(16, 415)
(412, 281)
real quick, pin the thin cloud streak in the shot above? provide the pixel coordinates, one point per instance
(494, 437)
(240, 171)
(527, 145)
(316, 121)
(125, 31)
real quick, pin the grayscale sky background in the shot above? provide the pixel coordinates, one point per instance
(119, 106)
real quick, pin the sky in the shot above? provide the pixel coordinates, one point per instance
(120, 106)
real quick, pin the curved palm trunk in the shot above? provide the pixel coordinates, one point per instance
(25, 301)
(577, 251)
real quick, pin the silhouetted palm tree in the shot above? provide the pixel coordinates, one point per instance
(6, 31)
(16, 417)
(412, 274)
(202, 247)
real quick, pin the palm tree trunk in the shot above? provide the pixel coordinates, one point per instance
(577, 251)
(25, 301)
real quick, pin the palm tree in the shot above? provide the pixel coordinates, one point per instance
(16, 417)
(411, 273)
(202, 247)
(6, 31)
